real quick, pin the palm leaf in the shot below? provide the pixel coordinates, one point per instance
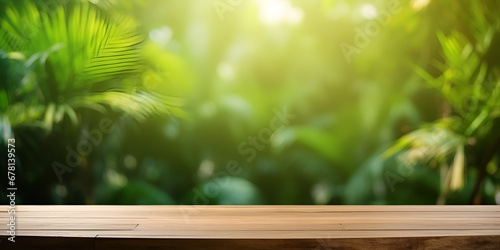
(83, 58)
(140, 105)
(98, 47)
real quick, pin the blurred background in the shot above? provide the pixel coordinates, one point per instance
(251, 102)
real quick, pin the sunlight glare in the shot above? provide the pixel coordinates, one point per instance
(161, 36)
(368, 11)
(278, 11)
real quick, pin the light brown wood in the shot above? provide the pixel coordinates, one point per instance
(280, 225)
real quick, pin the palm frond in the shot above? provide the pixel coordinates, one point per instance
(98, 46)
(139, 105)
(435, 142)
(82, 57)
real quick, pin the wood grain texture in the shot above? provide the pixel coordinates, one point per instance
(253, 227)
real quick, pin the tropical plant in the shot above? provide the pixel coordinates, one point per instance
(72, 57)
(467, 76)
(66, 63)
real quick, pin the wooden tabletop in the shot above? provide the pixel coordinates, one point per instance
(218, 227)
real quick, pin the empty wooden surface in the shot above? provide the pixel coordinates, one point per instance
(262, 227)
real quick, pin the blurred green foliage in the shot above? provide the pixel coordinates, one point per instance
(251, 102)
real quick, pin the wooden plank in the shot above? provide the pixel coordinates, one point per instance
(240, 215)
(456, 242)
(166, 227)
(299, 224)
(255, 234)
(452, 242)
(68, 225)
(259, 208)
